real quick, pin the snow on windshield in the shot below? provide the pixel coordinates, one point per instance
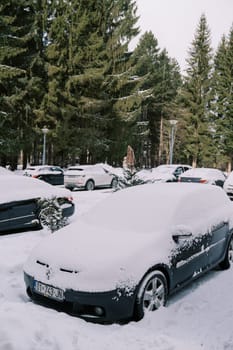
(154, 208)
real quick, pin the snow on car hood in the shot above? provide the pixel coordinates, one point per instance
(100, 260)
(18, 187)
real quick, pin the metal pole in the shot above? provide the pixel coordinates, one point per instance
(45, 131)
(173, 124)
(44, 150)
(171, 144)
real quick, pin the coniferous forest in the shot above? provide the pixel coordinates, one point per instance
(67, 65)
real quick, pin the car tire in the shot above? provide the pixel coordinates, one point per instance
(90, 185)
(50, 217)
(152, 294)
(114, 183)
(70, 188)
(228, 259)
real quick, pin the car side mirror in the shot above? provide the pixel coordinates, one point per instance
(177, 238)
(181, 233)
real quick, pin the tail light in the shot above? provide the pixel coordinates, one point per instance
(203, 181)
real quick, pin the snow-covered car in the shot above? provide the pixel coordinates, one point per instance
(49, 173)
(162, 173)
(228, 185)
(109, 268)
(204, 176)
(23, 202)
(5, 171)
(89, 177)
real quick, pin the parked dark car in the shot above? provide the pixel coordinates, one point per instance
(23, 202)
(210, 176)
(163, 173)
(52, 174)
(105, 270)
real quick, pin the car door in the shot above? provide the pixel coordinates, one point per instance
(189, 255)
(22, 213)
(218, 243)
(56, 176)
(102, 178)
(4, 217)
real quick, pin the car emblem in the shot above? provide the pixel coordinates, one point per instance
(49, 272)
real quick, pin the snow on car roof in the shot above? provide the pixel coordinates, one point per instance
(149, 207)
(200, 172)
(17, 187)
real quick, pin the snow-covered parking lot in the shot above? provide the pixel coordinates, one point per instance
(198, 317)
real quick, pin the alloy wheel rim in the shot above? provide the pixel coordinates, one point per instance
(154, 295)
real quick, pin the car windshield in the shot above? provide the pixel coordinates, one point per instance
(200, 172)
(165, 169)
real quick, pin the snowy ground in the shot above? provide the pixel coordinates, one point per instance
(198, 317)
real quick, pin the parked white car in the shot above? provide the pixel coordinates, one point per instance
(89, 177)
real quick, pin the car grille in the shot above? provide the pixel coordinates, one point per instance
(62, 269)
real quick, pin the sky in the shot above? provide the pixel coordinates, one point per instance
(174, 22)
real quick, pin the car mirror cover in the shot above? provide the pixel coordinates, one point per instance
(181, 232)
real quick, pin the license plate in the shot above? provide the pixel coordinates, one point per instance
(49, 291)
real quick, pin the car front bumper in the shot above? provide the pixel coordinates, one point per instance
(67, 209)
(101, 307)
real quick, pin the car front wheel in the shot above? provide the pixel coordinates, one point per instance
(228, 260)
(152, 294)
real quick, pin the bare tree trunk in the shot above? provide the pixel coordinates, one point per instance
(229, 166)
(194, 163)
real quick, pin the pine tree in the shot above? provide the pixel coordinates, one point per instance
(21, 76)
(160, 79)
(196, 98)
(223, 101)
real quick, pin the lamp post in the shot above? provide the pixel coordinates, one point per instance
(173, 123)
(44, 131)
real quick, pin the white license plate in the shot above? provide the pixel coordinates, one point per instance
(48, 291)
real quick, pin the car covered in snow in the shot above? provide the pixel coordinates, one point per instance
(49, 173)
(26, 202)
(163, 173)
(210, 176)
(89, 177)
(112, 268)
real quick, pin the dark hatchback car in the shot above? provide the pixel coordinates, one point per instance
(23, 202)
(105, 270)
(52, 174)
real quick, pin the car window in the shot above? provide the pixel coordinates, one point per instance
(178, 171)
